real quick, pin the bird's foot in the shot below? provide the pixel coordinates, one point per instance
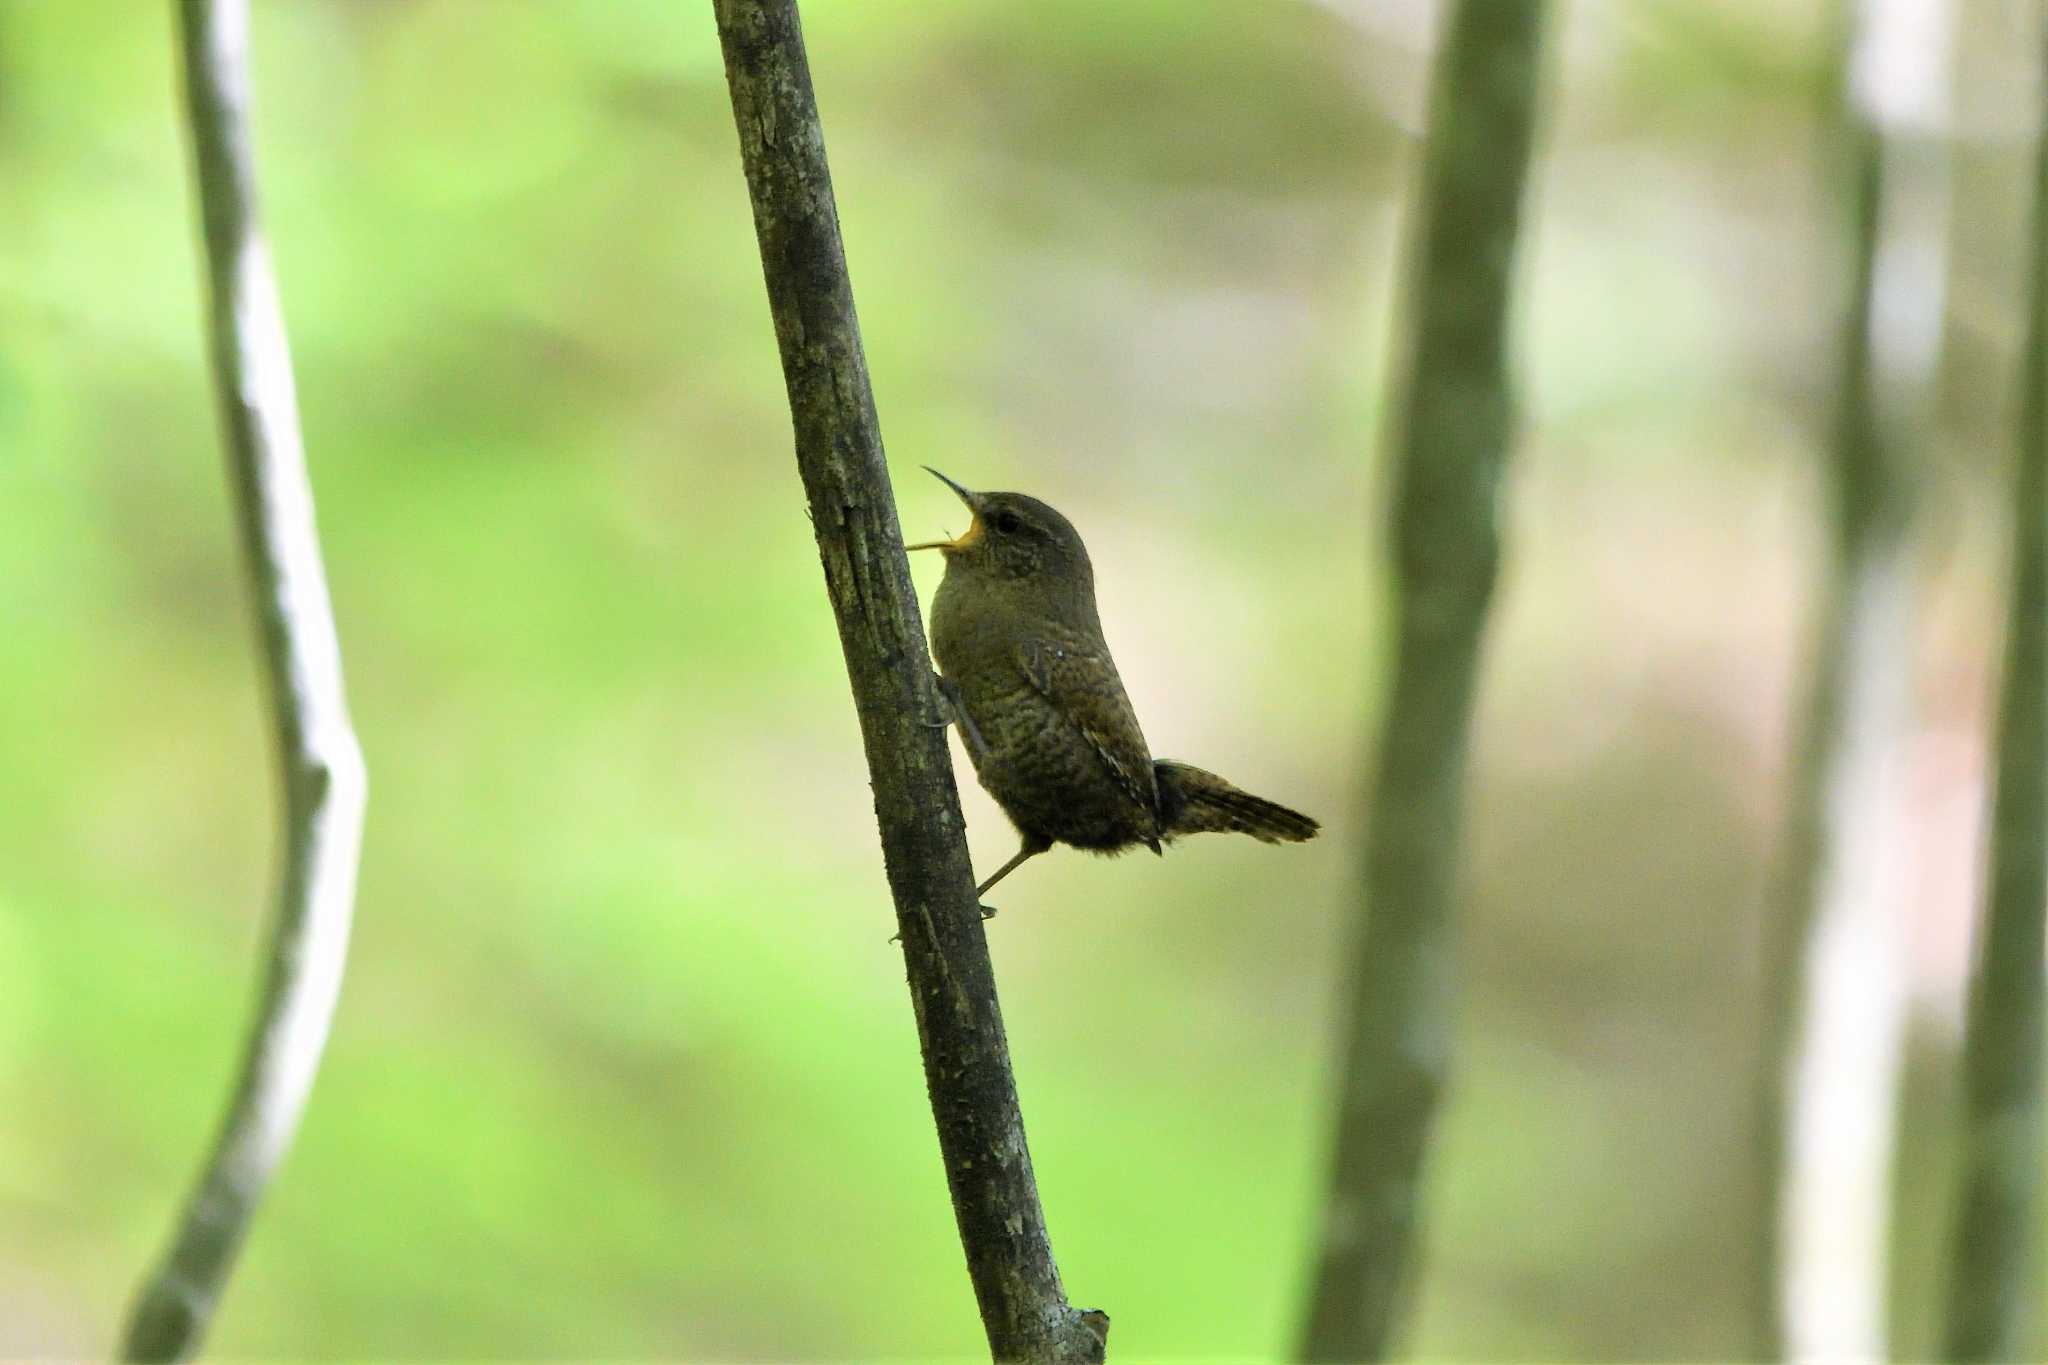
(956, 707)
(988, 912)
(945, 716)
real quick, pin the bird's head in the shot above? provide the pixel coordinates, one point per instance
(1014, 537)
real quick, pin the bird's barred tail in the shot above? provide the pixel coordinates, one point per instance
(1193, 801)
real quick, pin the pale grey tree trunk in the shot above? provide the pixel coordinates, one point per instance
(1834, 952)
(1455, 426)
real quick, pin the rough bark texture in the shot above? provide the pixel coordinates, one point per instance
(1457, 423)
(321, 767)
(1992, 1287)
(867, 575)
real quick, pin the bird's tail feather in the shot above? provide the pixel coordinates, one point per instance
(1194, 801)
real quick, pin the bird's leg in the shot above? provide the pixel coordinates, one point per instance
(1032, 848)
(946, 716)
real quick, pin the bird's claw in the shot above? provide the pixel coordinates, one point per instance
(945, 706)
(988, 912)
(949, 694)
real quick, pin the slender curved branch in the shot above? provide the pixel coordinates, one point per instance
(867, 575)
(1457, 425)
(1992, 1289)
(320, 764)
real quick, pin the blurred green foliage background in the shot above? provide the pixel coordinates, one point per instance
(624, 1065)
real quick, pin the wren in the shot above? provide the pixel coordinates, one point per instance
(1036, 697)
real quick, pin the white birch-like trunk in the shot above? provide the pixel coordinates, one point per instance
(1835, 1214)
(321, 774)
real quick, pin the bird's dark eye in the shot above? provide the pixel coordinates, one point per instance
(1006, 522)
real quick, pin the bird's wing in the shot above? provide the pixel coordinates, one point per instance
(1082, 684)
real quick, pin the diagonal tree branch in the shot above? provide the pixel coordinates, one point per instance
(1458, 422)
(1992, 1285)
(320, 765)
(867, 575)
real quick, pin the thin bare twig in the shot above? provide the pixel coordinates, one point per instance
(867, 575)
(320, 764)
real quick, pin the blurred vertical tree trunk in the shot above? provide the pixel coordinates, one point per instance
(1834, 995)
(1456, 422)
(321, 767)
(1992, 1286)
(1023, 1304)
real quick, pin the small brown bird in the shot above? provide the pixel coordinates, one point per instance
(1037, 698)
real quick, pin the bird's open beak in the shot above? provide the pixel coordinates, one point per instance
(973, 531)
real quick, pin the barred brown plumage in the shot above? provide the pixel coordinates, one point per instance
(1195, 801)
